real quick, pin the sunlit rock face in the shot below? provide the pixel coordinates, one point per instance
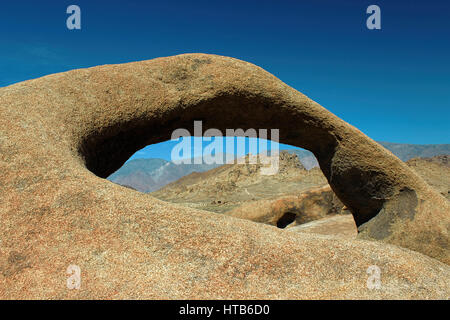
(62, 134)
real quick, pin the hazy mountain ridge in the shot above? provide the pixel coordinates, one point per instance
(408, 151)
(148, 175)
(403, 151)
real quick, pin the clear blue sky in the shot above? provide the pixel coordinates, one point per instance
(217, 145)
(393, 84)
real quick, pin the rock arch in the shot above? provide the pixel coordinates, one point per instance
(56, 127)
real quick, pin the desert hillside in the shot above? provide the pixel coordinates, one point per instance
(294, 196)
(231, 185)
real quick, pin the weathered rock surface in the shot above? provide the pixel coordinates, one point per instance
(435, 171)
(313, 204)
(61, 134)
(339, 225)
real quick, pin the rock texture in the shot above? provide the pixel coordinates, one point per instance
(339, 225)
(435, 171)
(313, 204)
(63, 133)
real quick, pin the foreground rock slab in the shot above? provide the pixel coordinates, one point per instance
(337, 225)
(290, 210)
(60, 135)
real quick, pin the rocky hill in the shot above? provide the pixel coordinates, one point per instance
(435, 171)
(228, 186)
(293, 196)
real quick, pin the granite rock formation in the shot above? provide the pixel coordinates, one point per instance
(62, 134)
(310, 205)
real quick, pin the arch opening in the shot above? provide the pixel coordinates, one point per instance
(106, 149)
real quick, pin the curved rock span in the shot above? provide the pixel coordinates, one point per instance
(60, 135)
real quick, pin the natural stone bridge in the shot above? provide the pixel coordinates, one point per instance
(60, 135)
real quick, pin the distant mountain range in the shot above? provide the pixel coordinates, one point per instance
(148, 175)
(409, 151)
